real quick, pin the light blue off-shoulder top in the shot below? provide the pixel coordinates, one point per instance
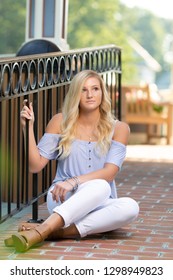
(84, 157)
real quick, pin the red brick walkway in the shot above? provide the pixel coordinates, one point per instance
(149, 237)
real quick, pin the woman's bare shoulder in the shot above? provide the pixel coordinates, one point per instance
(121, 132)
(54, 125)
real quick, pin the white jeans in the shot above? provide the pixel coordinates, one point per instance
(92, 210)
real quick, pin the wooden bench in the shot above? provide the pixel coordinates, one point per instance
(140, 109)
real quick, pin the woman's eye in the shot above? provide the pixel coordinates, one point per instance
(84, 90)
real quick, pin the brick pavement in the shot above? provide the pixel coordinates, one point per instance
(149, 180)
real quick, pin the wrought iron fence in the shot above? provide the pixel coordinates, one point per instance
(44, 80)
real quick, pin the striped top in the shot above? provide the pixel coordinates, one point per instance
(83, 157)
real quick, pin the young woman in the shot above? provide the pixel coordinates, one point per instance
(90, 146)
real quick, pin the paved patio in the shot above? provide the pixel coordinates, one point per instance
(147, 176)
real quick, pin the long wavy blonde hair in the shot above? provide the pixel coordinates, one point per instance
(71, 111)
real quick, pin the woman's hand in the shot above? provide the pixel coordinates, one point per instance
(61, 189)
(27, 114)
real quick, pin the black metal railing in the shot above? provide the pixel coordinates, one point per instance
(44, 80)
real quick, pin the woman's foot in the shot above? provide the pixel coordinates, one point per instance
(64, 233)
(25, 226)
(24, 240)
(19, 242)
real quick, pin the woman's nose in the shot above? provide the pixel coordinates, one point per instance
(89, 93)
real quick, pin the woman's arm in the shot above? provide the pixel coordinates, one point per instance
(36, 161)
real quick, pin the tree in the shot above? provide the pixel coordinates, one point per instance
(12, 22)
(150, 31)
(94, 23)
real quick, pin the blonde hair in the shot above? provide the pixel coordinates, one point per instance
(70, 112)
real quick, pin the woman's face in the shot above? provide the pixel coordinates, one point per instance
(91, 95)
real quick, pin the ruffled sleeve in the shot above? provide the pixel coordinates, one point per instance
(116, 154)
(48, 145)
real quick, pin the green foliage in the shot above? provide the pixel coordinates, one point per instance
(158, 108)
(91, 22)
(94, 23)
(150, 31)
(12, 23)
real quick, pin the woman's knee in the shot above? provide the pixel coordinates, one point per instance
(97, 188)
(131, 206)
(102, 187)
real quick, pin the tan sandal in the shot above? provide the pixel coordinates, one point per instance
(26, 239)
(9, 242)
(25, 226)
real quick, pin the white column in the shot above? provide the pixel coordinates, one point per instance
(59, 28)
(38, 19)
(60, 24)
